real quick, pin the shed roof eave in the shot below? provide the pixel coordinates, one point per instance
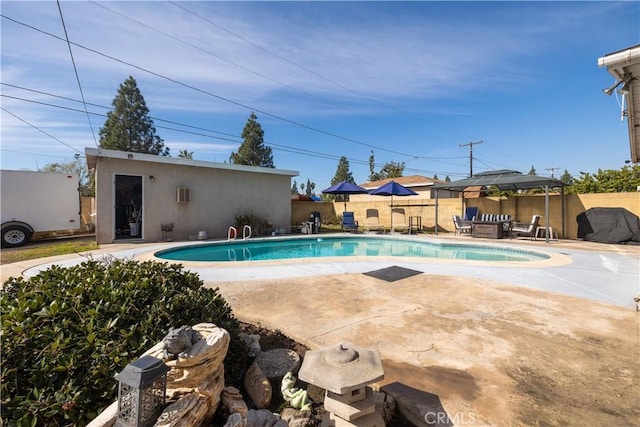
(92, 155)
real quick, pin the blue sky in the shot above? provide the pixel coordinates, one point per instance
(411, 81)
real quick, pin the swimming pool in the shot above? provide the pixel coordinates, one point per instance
(355, 246)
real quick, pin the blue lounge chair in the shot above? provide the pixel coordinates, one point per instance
(348, 222)
(470, 214)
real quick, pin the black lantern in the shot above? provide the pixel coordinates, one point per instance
(141, 395)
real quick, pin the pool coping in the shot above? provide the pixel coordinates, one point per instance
(553, 260)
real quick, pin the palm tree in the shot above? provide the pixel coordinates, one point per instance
(185, 154)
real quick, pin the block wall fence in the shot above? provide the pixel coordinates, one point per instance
(521, 208)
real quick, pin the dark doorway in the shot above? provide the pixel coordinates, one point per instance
(128, 207)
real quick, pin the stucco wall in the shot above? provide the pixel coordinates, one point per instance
(217, 195)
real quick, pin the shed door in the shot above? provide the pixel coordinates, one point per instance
(128, 207)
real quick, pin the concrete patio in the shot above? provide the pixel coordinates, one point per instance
(463, 343)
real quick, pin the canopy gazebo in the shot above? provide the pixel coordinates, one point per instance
(506, 180)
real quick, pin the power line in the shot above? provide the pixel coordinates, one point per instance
(302, 67)
(75, 69)
(276, 146)
(205, 92)
(40, 130)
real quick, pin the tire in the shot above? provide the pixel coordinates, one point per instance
(15, 235)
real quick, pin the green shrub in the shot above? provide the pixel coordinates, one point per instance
(67, 331)
(259, 225)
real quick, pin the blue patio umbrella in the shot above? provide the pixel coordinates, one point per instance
(345, 187)
(392, 188)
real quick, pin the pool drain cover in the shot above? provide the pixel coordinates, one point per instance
(393, 273)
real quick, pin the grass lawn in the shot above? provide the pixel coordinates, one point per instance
(46, 249)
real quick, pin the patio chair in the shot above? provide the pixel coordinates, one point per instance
(348, 222)
(462, 226)
(372, 222)
(526, 229)
(470, 213)
(399, 220)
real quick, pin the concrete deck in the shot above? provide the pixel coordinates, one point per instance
(455, 339)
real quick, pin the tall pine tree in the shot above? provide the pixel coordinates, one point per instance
(128, 126)
(342, 172)
(252, 151)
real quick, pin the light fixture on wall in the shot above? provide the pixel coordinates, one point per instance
(625, 80)
(626, 87)
(152, 178)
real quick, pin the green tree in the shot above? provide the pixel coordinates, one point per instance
(607, 181)
(310, 187)
(78, 167)
(532, 171)
(373, 176)
(185, 154)
(435, 176)
(342, 172)
(389, 170)
(566, 177)
(252, 151)
(392, 170)
(294, 187)
(447, 179)
(128, 126)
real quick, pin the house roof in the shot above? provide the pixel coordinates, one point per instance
(407, 181)
(502, 179)
(624, 66)
(93, 154)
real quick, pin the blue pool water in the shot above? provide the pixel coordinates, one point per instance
(318, 247)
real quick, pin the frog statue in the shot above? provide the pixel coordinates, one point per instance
(178, 341)
(296, 397)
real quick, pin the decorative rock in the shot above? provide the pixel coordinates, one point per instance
(195, 380)
(385, 405)
(252, 341)
(261, 418)
(257, 386)
(297, 418)
(277, 362)
(232, 402)
(190, 410)
(316, 394)
(413, 404)
(235, 420)
(203, 358)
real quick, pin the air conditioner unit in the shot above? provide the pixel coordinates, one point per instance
(183, 195)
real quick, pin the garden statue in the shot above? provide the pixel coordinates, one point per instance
(178, 341)
(296, 397)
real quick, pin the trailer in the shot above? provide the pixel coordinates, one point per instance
(33, 202)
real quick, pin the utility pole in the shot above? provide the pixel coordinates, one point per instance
(470, 145)
(551, 169)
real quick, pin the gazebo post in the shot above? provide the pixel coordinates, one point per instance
(436, 227)
(546, 212)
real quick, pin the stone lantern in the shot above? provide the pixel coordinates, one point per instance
(344, 371)
(141, 395)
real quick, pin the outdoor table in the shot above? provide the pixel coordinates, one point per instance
(487, 229)
(415, 221)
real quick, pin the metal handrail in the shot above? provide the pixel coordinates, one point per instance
(246, 235)
(235, 233)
